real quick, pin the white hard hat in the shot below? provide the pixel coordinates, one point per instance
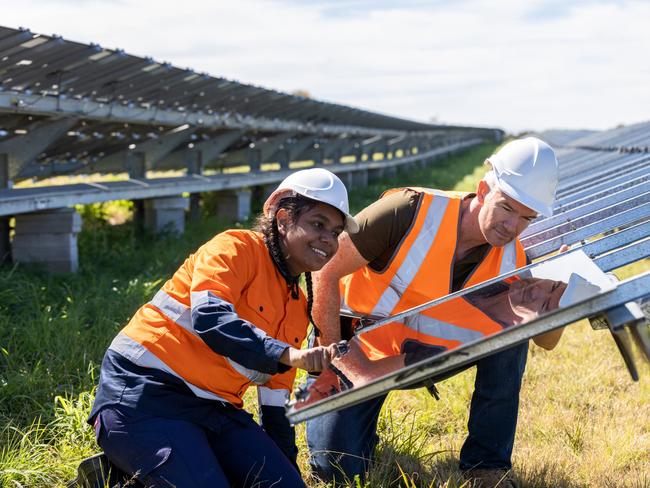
(526, 170)
(317, 184)
(577, 290)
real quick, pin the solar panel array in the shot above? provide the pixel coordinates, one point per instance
(69, 107)
(602, 208)
(629, 138)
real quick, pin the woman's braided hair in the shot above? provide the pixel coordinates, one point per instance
(268, 227)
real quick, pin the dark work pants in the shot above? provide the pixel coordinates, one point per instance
(169, 453)
(342, 443)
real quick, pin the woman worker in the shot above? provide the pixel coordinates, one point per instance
(168, 408)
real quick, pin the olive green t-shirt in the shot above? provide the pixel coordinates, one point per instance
(385, 223)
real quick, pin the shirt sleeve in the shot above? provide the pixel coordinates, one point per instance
(222, 269)
(383, 224)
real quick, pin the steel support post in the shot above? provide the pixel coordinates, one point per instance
(360, 178)
(195, 168)
(376, 174)
(318, 156)
(390, 172)
(283, 158)
(336, 156)
(136, 166)
(253, 158)
(5, 244)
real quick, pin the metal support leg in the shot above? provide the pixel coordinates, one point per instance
(136, 164)
(627, 323)
(5, 244)
(195, 167)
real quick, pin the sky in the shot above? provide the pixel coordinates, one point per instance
(517, 65)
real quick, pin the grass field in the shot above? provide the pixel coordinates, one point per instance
(583, 422)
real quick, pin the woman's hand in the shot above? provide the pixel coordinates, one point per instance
(313, 360)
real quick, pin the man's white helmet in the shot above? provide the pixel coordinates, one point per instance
(317, 184)
(526, 170)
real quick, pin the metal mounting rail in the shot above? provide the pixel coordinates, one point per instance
(627, 291)
(585, 216)
(25, 200)
(592, 165)
(622, 257)
(569, 215)
(583, 181)
(624, 218)
(634, 234)
(16, 102)
(640, 174)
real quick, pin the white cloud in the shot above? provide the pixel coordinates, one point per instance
(502, 63)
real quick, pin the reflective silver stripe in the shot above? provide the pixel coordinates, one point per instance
(443, 330)
(139, 355)
(272, 398)
(415, 257)
(254, 376)
(509, 258)
(174, 310)
(199, 298)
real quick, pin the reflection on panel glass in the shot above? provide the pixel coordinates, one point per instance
(465, 319)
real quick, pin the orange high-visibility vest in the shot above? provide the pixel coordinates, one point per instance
(421, 271)
(236, 266)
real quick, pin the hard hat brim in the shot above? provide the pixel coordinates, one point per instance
(527, 200)
(351, 226)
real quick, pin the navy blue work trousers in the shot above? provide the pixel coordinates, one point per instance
(342, 443)
(168, 453)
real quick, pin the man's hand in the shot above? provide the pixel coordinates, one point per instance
(549, 340)
(327, 298)
(313, 360)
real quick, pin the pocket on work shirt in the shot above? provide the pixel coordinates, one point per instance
(261, 308)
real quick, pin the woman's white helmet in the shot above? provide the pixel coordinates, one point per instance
(317, 184)
(527, 170)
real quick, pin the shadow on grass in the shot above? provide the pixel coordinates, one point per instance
(408, 457)
(440, 469)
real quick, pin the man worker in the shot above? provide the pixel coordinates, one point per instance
(415, 245)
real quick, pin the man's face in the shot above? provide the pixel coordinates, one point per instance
(501, 218)
(534, 296)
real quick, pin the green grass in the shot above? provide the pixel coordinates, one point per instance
(582, 421)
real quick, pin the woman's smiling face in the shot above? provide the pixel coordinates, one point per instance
(311, 241)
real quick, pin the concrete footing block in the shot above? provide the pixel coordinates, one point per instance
(165, 214)
(234, 204)
(48, 238)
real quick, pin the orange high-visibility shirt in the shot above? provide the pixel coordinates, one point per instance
(236, 267)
